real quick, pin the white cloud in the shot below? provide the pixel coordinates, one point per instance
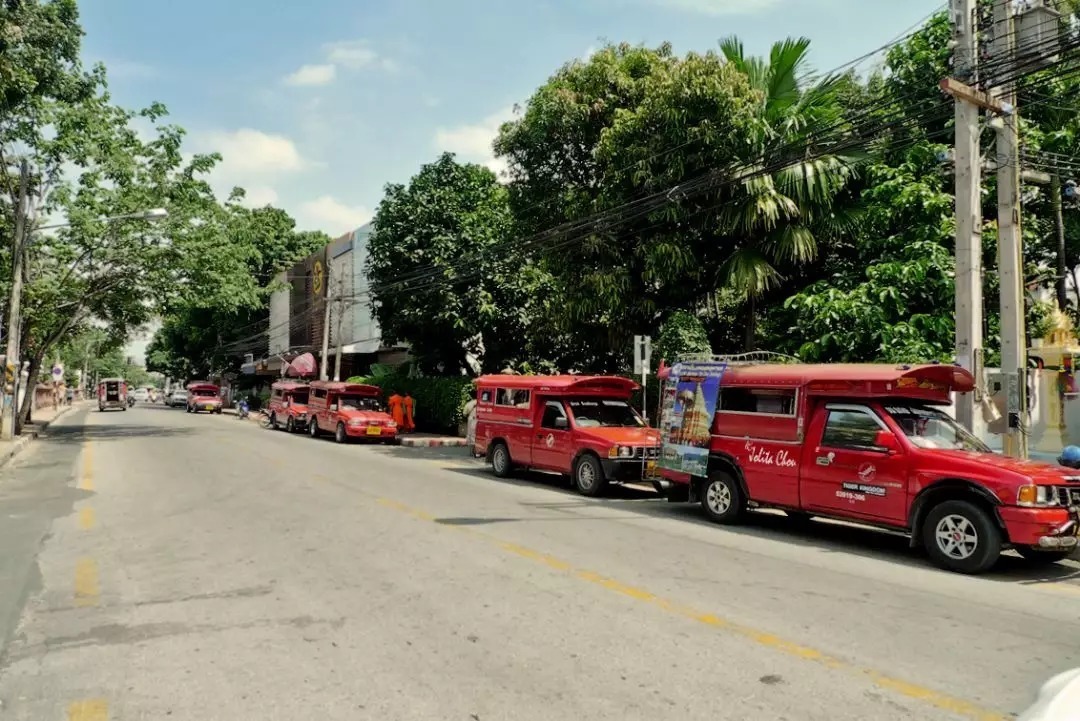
(248, 152)
(258, 196)
(331, 216)
(347, 55)
(716, 7)
(312, 75)
(473, 142)
(352, 54)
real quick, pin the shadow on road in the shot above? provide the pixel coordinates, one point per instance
(826, 535)
(80, 433)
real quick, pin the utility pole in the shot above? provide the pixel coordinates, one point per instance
(968, 173)
(340, 307)
(9, 424)
(325, 328)
(1010, 247)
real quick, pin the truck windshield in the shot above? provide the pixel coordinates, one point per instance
(360, 403)
(928, 427)
(300, 397)
(605, 413)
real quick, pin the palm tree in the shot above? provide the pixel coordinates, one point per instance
(790, 179)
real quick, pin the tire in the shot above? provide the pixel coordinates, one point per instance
(313, 428)
(340, 436)
(501, 462)
(962, 537)
(589, 477)
(1037, 557)
(290, 425)
(273, 421)
(722, 498)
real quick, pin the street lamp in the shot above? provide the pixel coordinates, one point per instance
(22, 234)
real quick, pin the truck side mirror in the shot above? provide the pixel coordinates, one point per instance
(562, 423)
(887, 442)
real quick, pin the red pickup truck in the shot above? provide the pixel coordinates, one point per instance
(865, 443)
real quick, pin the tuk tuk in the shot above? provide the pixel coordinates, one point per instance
(112, 393)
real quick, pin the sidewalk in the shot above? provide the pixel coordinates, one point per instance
(42, 418)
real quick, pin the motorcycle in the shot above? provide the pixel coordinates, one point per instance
(242, 409)
(131, 401)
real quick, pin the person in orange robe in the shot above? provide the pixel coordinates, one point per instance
(397, 409)
(409, 405)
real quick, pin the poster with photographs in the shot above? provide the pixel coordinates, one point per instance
(688, 405)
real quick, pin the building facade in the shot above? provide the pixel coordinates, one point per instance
(335, 276)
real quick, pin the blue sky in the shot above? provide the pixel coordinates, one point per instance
(317, 105)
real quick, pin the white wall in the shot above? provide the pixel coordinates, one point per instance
(279, 319)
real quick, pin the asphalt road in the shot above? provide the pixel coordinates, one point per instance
(157, 565)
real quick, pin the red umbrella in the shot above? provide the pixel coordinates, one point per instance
(302, 365)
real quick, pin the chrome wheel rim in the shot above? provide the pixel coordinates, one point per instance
(499, 460)
(586, 475)
(956, 537)
(718, 497)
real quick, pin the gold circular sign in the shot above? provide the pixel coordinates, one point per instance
(317, 277)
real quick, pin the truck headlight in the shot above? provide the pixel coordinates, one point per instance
(1030, 496)
(356, 422)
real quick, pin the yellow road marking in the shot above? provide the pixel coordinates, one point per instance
(94, 709)
(87, 519)
(1065, 588)
(87, 585)
(929, 696)
(86, 476)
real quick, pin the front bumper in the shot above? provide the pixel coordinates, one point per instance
(375, 433)
(628, 469)
(1049, 528)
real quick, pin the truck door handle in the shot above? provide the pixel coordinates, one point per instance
(824, 461)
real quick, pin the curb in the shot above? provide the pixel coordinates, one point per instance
(28, 436)
(433, 442)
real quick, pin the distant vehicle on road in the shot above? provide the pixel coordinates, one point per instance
(112, 393)
(176, 399)
(142, 395)
(203, 396)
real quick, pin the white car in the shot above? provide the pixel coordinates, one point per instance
(177, 399)
(141, 395)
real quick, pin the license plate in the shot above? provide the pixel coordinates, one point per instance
(374, 431)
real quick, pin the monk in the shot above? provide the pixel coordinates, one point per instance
(397, 409)
(409, 405)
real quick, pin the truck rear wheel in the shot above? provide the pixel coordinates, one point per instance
(500, 460)
(722, 498)
(960, 536)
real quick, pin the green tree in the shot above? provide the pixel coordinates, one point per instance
(443, 278)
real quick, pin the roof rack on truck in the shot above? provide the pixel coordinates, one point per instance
(749, 358)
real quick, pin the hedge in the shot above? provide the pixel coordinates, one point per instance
(440, 400)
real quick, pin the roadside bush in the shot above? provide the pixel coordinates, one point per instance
(440, 400)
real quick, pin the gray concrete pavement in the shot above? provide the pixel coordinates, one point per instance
(163, 565)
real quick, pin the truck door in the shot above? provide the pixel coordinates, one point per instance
(552, 441)
(847, 473)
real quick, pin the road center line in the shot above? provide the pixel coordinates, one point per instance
(95, 709)
(86, 474)
(87, 583)
(929, 696)
(87, 519)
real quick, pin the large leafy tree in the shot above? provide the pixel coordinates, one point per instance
(444, 275)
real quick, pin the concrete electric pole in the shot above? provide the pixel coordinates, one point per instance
(1010, 245)
(323, 373)
(968, 171)
(9, 424)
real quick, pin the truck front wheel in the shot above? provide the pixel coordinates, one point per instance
(960, 536)
(589, 476)
(722, 498)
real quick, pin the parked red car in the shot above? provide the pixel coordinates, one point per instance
(289, 405)
(349, 410)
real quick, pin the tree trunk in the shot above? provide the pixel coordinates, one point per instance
(27, 408)
(750, 342)
(1059, 224)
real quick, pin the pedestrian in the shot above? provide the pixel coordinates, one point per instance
(70, 396)
(410, 407)
(397, 409)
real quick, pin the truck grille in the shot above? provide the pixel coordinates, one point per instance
(1068, 496)
(649, 453)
